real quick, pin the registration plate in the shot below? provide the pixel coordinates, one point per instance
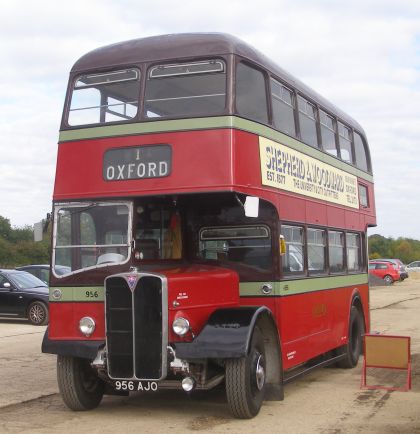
(136, 386)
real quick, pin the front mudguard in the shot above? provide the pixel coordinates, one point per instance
(226, 335)
(81, 349)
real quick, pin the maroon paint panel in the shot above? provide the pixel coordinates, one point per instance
(193, 292)
(316, 322)
(210, 160)
(200, 161)
(65, 317)
(196, 292)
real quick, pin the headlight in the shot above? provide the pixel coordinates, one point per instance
(181, 326)
(87, 326)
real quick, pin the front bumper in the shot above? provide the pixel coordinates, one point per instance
(82, 349)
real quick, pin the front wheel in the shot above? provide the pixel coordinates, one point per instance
(246, 379)
(79, 385)
(38, 313)
(353, 349)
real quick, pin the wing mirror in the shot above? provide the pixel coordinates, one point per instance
(7, 285)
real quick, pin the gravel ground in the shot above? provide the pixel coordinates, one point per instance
(328, 400)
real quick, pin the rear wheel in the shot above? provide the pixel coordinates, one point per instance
(353, 349)
(38, 313)
(79, 385)
(246, 378)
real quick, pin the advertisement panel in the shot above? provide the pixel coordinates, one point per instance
(287, 169)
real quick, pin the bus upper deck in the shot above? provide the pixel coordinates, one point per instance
(225, 105)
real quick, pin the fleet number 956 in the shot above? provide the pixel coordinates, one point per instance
(131, 386)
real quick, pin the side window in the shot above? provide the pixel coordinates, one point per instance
(3, 280)
(354, 259)
(344, 138)
(336, 251)
(360, 153)
(293, 261)
(363, 196)
(251, 98)
(316, 250)
(248, 245)
(283, 108)
(307, 122)
(327, 124)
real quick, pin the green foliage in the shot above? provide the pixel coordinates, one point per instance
(18, 248)
(405, 249)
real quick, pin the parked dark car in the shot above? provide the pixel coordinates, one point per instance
(402, 267)
(23, 295)
(43, 271)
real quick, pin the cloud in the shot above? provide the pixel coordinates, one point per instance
(362, 56)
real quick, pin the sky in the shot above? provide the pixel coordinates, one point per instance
(362, 55)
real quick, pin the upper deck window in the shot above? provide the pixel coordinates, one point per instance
(307, 121)
(344, 137)
(283, 108)
(105, 97)
(360, 153)
(186, 89)
(251, 96)
(328, 133)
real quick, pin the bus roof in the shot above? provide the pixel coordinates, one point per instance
(177, 47)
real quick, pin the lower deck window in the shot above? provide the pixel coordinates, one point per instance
(316, 250)
(353, 252)
(293, 260)
(249, 245)
(336, 251)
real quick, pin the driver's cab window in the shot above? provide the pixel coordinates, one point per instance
(158, 232)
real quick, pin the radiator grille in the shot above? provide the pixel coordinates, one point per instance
(136, 326)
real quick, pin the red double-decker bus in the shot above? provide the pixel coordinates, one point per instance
(210, 213)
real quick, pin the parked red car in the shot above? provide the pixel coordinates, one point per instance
(388, 271)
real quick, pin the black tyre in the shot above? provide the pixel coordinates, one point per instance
(246, 378)
(388, 279)
(38, 313)
(79, 385)
(353, 349)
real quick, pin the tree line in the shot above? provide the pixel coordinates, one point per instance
(405, 249)
(18, 248)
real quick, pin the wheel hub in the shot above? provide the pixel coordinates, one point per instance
(260, 372)
(37, 314)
